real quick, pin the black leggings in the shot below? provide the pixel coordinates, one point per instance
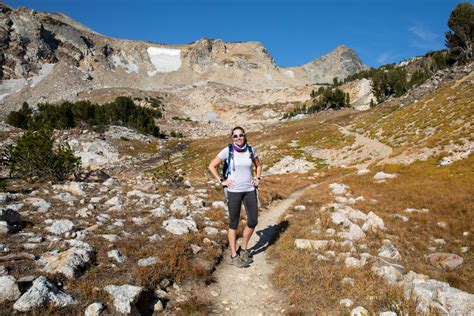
(235, 203)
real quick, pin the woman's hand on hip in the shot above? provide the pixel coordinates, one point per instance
(228, 183)
(255, 182)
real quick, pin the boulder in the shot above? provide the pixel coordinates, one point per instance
(346, 302)
(114, 202)
(124, 297)
(445, 261)
(373, 222)
(42, 205)
(341, 219)
(389, 251)
(66, 197)
(435, 295)
(71, 262)
(10, 216)
(313, 244)
(179, 206)
(59, 227)
(354, 233)
(180, 226)
(359, 311)
(383, 176)
(94, 309)
(9, 290)
(159, 212)
(362, 171)
(75, 188)
(116, 255)
(338, 188)
(218, 204)
(147, 261)
(211, 230)
(41, 294)
(352, 262)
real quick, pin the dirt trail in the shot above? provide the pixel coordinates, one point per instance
(375, 148)
(249, 291)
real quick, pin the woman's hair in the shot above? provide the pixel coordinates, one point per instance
(243, 131)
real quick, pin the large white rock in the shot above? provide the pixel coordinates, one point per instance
(313, 244)
(359, 311)
(116, 255)
(115, 201)
(66, 197)
(159, 212)
(341, 219)
(289, 164)
(180, 226)
(42, 205)
(353, 214)
(373, 222)
(338, 188)
(95, 309)
(124, 297)
(389, 251)
(354, 233)
(179, 206)
(383, 176)
(352, 262)
(94, 154)
(71, 262)
(9, 290)
(61, 226)
(362, 171)
(437, 295)
(147, 261)
(74, 188)
(42, 293)
(218, 204)
(445, 261)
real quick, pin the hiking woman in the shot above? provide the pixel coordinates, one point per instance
(241, 187)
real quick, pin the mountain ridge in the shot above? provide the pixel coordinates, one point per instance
(78, 59)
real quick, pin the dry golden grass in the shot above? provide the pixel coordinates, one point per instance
(315, 287)
(448, 192)
(445, 111)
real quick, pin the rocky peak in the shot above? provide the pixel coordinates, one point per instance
(341, 62)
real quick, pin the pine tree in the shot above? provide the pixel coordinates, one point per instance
(461, 36)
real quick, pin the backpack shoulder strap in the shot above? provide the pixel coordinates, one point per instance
(251, 152)
(230, 158)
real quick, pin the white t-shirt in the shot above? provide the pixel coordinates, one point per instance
(242, 176)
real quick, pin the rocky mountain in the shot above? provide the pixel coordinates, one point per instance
(50, 57)
(340, 63)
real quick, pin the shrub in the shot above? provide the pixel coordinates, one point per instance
(34, 158)
(168, 174)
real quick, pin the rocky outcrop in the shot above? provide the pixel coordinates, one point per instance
(340, 63)
(41, 294)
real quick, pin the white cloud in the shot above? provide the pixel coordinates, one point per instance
(423, 37)
(386, 58)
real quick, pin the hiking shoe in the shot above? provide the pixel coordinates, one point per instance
(238, 262)
(246, 256)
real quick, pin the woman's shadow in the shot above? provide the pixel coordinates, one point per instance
(268, 236)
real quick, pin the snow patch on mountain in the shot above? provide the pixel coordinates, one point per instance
(164, 59)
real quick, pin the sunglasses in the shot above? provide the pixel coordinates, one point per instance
(238, 136)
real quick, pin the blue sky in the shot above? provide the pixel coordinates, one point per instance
(295, 32)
